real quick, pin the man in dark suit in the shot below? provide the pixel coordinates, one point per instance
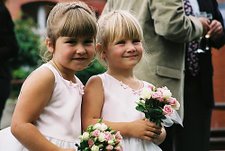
(8, 50)
(198, 84)
(198, 89)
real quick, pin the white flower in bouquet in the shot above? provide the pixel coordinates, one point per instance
(85, 136)
(100, 137)
(147, 93)
(100, 126)
(94, 148)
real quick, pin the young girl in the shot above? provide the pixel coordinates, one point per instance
(112, 95)
(47, 115)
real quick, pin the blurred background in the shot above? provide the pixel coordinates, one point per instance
(30, 18)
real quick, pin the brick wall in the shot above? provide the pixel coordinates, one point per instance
(15, 6)
(218, 118)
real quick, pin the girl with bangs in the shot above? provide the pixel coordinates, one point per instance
(47, 115)
(112, 96)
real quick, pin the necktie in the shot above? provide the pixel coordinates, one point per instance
(191, 47)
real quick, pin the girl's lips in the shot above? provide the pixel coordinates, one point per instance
(131, 56)
(79, 58)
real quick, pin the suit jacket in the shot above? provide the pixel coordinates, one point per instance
(205, 60)
(166, 30)
(8, 43)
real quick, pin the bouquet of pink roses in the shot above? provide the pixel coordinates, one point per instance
(100, 137)
(159, 106)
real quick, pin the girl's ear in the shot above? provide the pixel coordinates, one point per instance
(49, 45)
(101, 50)
(98, 47)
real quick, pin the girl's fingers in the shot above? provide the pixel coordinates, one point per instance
(150, 136)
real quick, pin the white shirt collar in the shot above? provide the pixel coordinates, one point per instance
(195, 6)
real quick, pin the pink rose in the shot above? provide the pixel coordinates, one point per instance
(118, 136)
(157, 95)
(167, 110)
(108, 136)
(90, 143)
(96, 133)
(174, 103)
(151, 87)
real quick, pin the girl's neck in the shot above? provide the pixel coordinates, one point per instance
(127, 78)
(69, 77)
(121, 75)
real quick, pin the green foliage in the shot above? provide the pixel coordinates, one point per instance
(29, 43)
(28, 56)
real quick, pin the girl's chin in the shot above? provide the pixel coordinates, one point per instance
(80, 67)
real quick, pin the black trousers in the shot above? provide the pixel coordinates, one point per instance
(5, 87)
(195, 134)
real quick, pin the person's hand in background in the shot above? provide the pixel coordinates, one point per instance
(205, 24)
(216, 29)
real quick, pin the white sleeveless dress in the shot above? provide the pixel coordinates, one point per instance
(119, 106)
(60, 121)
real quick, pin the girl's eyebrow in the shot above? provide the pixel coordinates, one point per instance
(70, 38)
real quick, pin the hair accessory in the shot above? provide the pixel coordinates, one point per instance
(75, 6)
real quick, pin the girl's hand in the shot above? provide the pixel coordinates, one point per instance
(144, 129)
(160, 138)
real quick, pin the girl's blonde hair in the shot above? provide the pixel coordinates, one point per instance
(115, 25)
(70, 19)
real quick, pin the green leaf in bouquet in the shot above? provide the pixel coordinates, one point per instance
(156, 113)
(141, 108)
(90, 128)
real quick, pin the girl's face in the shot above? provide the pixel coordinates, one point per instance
(74, 54)
(123, 53)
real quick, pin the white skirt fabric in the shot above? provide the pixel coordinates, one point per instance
(9, 143)
(134, 144)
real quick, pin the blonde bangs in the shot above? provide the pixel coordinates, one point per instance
(124, 28)
(118, 27)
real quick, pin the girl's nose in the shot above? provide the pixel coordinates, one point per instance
(80, 49)
(131, 47)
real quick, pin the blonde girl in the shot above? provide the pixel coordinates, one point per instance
(112, 95)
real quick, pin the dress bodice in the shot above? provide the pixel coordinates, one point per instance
(119, 106)
(61, 117)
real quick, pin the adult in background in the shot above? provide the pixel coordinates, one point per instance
(8, 50)
(198, 84)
